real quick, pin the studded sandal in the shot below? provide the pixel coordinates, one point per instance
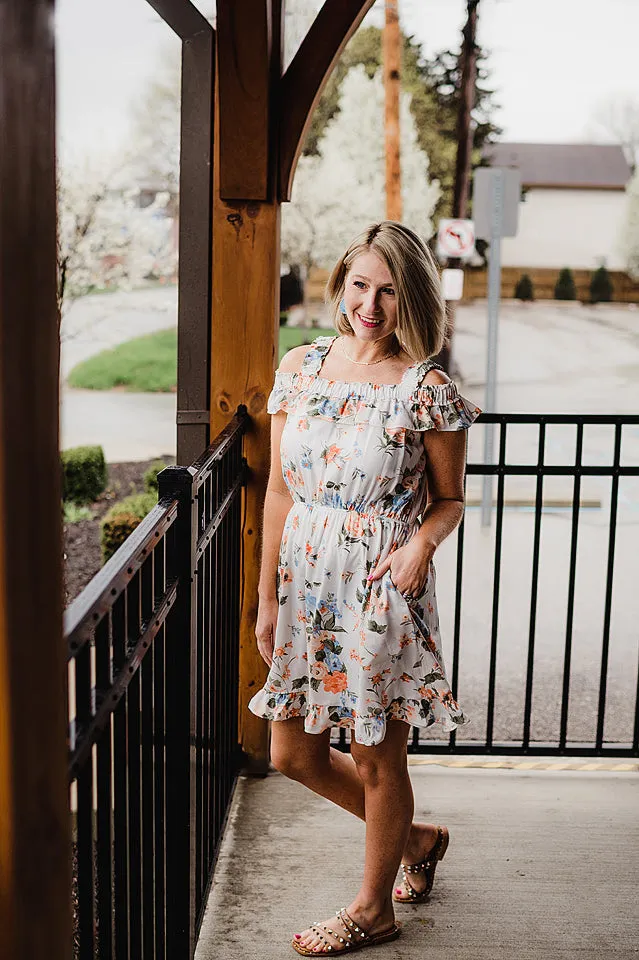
(355, 938)
(427, 866)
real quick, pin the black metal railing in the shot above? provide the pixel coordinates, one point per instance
(153, 677)
(554, 671)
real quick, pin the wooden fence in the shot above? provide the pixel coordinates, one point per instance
(544, 279)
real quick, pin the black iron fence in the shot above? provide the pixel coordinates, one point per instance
(581, 657)
(153, 678)
(560, 671)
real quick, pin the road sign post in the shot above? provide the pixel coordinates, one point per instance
(495, 206)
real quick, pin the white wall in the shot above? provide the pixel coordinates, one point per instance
(567, 228)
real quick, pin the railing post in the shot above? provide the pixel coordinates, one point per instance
(181, 666)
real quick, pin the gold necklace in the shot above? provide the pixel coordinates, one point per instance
(366, 363)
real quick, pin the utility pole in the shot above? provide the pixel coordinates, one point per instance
(392, 56)
(468, 59)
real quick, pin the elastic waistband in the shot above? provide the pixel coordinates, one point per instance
(371, 514)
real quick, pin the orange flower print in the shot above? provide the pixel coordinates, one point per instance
(331, 453)
(319, 670)
(406, 677)
(335, 682)
(279, 651)
(354, 524)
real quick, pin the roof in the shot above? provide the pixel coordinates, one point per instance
(586, 165)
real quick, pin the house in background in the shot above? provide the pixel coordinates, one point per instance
(572, 207)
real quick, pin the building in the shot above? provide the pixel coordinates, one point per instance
(572, 206)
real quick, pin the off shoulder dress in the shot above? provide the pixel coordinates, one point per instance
(349, 652)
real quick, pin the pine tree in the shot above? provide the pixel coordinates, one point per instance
(565, 288)
(601, 286)
(524, 289)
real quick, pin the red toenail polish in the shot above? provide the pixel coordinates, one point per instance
(398, 890)
(298, 936)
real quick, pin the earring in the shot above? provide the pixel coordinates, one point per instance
(342, 306)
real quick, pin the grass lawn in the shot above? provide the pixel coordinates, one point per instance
(149, 364)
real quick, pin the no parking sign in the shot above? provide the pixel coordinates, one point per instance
(455, 238)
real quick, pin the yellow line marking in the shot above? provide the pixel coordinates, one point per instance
(510, 763)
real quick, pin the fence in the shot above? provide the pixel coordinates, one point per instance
(557, 639)
(625, 290)
(153, 678)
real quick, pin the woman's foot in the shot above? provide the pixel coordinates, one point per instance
(422, 840)
(334, 932)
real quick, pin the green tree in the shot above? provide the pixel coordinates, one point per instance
(524, 289)
(600, 286)
(565, 288)
(434, 87)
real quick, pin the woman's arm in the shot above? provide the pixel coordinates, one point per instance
(277, 504)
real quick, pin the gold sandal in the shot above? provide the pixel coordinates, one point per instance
(355, 937)
(426, 866)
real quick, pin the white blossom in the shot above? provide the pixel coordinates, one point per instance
(105, 239)
(339, 192)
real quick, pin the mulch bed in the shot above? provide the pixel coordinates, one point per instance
(83, 555)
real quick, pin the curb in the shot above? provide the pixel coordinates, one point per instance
(510, 764)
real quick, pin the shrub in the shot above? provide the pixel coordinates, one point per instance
(122, 519)
(565, 288)
(600, 286)
(74, 512)
(84, 474)
(151, 476)
(524, 289)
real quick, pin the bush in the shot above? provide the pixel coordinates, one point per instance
(84, 474)
(600, 286)
(151, 477)
(524, 289)
(565, 288)
(122, 519)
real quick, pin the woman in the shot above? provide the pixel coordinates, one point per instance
(368, 456)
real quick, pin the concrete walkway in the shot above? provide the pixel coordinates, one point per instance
(541, 864)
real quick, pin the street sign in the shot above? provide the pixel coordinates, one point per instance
(452, 284)
(455, 238)
(508, 182)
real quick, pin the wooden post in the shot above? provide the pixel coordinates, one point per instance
(245, 301)
(35, 874)
(392, 55)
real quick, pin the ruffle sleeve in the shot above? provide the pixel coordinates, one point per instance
(283, 395)
(440, 406)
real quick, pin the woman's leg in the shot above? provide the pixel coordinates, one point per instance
(388, 800)
(310, 759)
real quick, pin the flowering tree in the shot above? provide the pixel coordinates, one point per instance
(339, 191)
(105, 239)
(630, 234)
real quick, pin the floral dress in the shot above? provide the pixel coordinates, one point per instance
(349, 652)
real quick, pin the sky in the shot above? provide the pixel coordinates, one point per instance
(551, 61)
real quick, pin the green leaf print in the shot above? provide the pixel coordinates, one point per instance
(432, 677)
(299, 682)
(376, 627)
(315, 683)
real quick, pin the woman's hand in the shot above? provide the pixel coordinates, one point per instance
(267, 612)
(408, 565)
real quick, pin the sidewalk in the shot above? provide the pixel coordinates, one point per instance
(541, 864)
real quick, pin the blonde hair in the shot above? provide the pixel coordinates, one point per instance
(421, 312)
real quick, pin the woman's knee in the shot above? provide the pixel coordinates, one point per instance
(292, 757)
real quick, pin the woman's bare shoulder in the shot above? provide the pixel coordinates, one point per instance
(292, 361)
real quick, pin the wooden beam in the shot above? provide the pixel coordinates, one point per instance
(182, 17)
(35, 844)
(306, 75)
(244, 67)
